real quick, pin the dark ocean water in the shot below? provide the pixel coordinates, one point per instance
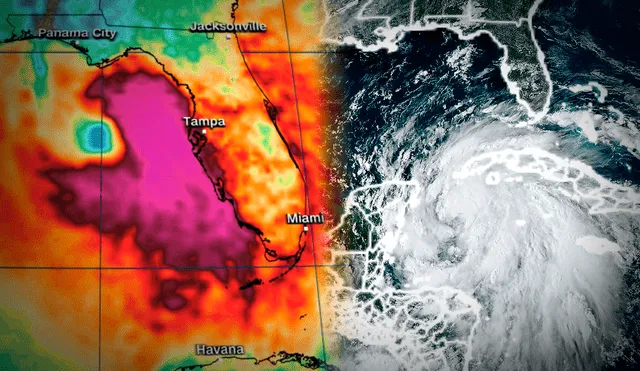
(384, 90)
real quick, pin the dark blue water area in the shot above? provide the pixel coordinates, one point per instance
(591, 40)
(594, 41)
(613, 24)
(381, 91)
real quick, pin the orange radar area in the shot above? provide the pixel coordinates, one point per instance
(166, 212)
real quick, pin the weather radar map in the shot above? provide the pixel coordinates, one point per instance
(381, 185)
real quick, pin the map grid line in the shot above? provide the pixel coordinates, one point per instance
(306, 185)
(100, 220)
(195, 268)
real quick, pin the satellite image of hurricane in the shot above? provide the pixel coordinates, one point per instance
(490, 214)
